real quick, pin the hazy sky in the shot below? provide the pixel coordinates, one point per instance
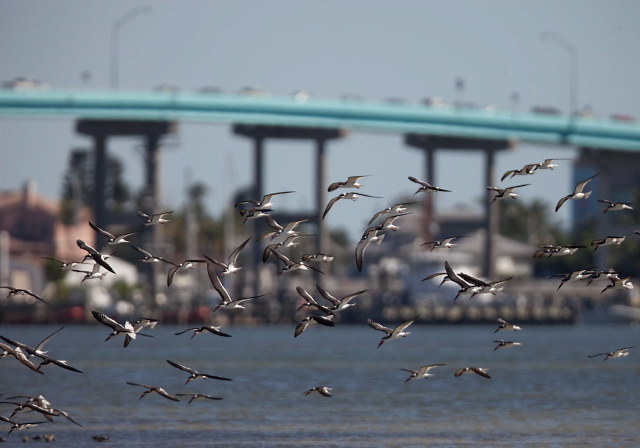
(375, 49)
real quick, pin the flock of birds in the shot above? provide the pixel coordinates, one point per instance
(281, 237)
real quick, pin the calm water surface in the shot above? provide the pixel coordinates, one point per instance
(545, 393)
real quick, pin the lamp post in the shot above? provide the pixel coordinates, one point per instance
(573, 66)
(115, 30)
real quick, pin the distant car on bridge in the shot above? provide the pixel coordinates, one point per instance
(25, 83)
(435, 101)
(623, 118)
(546, 110)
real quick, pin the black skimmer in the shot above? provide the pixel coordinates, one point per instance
(504, 193)
(339, 304)
(65, 265)
(227, 301)
(445, 243)
(552, 250)
(371, 235)
(17, 425)
(291, 241)
(548, 164)
(322, 390)
(480, 371)
(388, 223)
(100, 438)
(421, 373)
(230, 267)
(95, 255)
(578, 192)
(37, 352)
(485, 287)
(290, 266)
(505, 344)
(198, 397)
(615, 354)
(254, 213)
(22, 292)
(351, 182)
(152, 220)
(466, 287)
(608, 241)
(398, 208)
(194, 374)
(351, 195)
(112, 239)
(93, 274)
(187, 264)
(327, 321)
(504, 325)
(618, 283)
(159, 390)
(207, 328)
(146, 256)
(609, 274)
(310, 302)
(144, 322)
(265, 203)
(613, 206)
(578, 274)
(321, 258)
(391, 334)
(47, 412)
(17, 353)
(281, 233)
(525, 170)
(425, 186)
(127, 329)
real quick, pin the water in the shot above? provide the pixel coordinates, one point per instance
(545, 392)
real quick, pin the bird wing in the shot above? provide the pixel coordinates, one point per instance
(330, 204)
(362, 245)
(170, 275)
(106, 320)
(400, 328)
(45, 340)
(217, 285)
(234, 255)
(480, 372)
(142, 251)
(181, 367)
(582, 184)
(425, 369)
(376, 326)
(420, 182)
(474, 280)
(335, 186)
(282, 258)
(101, 231)
(455, 277)
(306, 296)
(560, 202)
(328, 296)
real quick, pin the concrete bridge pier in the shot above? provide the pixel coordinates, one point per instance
(319, 136)
(152, 131)
(429, 144)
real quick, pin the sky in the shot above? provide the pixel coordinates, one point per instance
(410, 49)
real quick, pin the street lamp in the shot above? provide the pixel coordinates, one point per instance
(573, 66)
(115, 30)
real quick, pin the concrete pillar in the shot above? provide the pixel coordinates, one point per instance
(491, 216)
(321, 199)
(153, 234)
(99, 187)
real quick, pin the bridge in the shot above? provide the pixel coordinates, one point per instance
(356, 115)
(152, 114)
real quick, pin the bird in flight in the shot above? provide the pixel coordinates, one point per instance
(421, 373)
(578, 192)
(425, 186)
(391, 334)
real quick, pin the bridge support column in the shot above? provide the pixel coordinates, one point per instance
(429, 144)
(152, 131)
(320, 136)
